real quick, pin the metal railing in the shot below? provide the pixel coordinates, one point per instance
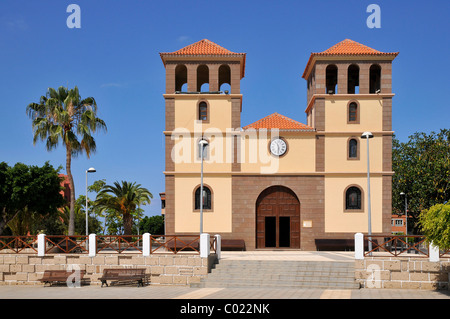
(18, 244)
(79, 244)
(66, 244)
(398, 245)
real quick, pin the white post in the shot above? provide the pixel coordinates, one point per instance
(359, 246)
(146, 244)
(41, 245)
(434, 253)
(218, 245)
(204, 245)
(92, 245)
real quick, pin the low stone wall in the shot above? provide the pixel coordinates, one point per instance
(402, 273)
(180, 269)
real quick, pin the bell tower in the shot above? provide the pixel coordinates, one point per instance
(349, 91)
(203, 101)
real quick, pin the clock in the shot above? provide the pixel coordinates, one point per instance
(278, 147)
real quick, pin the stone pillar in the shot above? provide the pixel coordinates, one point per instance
(146, 245)
(434, 253)
(41, 245)
(359, 246)
(92, 245)
(204, 245)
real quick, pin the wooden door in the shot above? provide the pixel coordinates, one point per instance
(277, 207)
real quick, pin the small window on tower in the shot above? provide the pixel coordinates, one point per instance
(353, 116)
(203, 111)
(353, 149)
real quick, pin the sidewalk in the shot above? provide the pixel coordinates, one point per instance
(173, 292)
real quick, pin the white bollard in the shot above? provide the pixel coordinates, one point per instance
(41, 245)
(146, 244)
(92, 245)
(218, 245)
(359, 246)
(204, 245)
(434, 253)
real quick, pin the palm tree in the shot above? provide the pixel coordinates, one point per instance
(125, 199)
(62, 116)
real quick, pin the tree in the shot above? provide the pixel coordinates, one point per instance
(422, 172)
(28, 189)
(125, 199)
(153, 225)
(435, 223)
(62, 116)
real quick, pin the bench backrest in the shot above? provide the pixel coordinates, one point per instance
(124, 271)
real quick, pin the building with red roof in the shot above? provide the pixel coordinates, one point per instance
(278, 183)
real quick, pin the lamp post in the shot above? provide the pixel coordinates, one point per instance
(406, 212)
(90, 170)
(202, 144)
(367, 136)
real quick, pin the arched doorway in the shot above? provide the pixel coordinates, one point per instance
(277, 218)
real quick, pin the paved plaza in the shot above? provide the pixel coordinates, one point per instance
(187, 293)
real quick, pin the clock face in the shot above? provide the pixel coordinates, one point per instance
(278, 147)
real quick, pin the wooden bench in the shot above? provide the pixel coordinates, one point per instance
(59, 276)
(233, 244)
(125, 274)
(330, 244)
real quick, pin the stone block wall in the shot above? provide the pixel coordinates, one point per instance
(402, 273)
(21, 269)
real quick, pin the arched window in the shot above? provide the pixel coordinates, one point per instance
(353, 198)
(353, 79)
(203, 111)
(331, 75)
(224, 78)
(375, 78)
(353, 113)
(202, 78)
(207, 198)
(353, 152)
(180, 78)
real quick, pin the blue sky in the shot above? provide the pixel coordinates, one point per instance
(114, 57)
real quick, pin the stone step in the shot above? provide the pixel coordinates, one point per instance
(282, 274)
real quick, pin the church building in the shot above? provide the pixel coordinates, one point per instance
(278, 183)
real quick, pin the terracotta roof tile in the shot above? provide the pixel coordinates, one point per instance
(278, 121)
(207, 49)
(347, 47)
(203, 47)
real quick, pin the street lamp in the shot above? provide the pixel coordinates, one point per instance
(203, 143)
(367, 136)
(406, 212)
(90, 170)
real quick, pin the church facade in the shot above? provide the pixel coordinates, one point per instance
(278, 183)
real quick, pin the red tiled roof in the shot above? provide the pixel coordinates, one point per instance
(348, 48)
(278, 121)
(205, 48)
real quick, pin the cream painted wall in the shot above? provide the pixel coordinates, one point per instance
(300, 156)
(371, 115)
(186, 156)
(217, 220)
(336, 220)
(336, 152)
(186, 113)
